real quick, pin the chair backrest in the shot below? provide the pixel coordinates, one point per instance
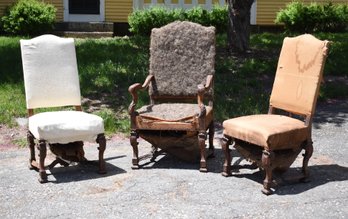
(299, 74)
(50, 72)
(182, 54)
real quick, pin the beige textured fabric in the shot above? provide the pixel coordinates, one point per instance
(66, 126)
(272, 132)
(299, 73)
(50, 72)
(182, 54)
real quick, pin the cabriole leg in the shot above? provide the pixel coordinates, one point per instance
(31, 143)
(202, 136)
(43, 152)
(134, 143)
(306, 156)
(102, 146)
(267, 166)
(225, 143)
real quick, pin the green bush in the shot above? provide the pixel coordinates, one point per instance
(142, 21)
(29, 17)
(300, 18)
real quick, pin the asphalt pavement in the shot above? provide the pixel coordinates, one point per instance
(170, 188)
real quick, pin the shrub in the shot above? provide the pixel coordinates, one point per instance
(298, 17)
(142, 21)
(29, 17)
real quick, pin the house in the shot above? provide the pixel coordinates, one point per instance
(263, 12)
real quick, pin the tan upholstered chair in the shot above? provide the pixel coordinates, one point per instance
(182, 58)
(273, 141)
(51, 80)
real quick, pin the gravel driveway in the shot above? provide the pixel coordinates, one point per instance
(170, 188)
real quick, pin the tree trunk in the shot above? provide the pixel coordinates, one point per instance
(238, 32)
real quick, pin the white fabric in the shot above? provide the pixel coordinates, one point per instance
(50, 72)
(66, 126)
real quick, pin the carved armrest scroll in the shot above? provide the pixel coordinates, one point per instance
(133, 89)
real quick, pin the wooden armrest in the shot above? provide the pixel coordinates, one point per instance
(133, 89)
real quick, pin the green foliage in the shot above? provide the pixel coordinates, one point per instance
(142, 21)
(29, 17)
(301, 18)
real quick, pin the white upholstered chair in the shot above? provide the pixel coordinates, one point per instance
(51, 80)
(273, 141)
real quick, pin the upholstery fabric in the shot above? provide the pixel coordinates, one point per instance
(273, 132)
(182, 54)
(66, 126)
(50, 72)
(299, 73)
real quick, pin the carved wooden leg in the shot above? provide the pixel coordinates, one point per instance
(102, 145)
(31, 143)
(211, 139)
(202, 136)
(306, 156)
(267, 165)
(134, 143)
(43, 152)
(225, 143)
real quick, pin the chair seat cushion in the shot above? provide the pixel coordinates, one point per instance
(66, 126)
(171, 116)
(273, 132)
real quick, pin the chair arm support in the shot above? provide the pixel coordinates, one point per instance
(133, 89)
(200, 94)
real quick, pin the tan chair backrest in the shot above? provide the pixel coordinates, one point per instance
(299, 74)
(50, 72)
(182, 54)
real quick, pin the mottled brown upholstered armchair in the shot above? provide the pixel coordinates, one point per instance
(273, 140)
(51, 80)
(180, 82)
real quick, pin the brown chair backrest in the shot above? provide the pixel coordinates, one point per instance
(299, 74)
(182, 54)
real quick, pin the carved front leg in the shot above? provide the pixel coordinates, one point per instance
(31, 143)
(102, 145)
(201, 141)
(225, 143)
(267, 157)
(134, 143)
(306, 156)
(43, 152)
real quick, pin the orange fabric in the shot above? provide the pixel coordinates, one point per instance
(299, 73)
(273, 132)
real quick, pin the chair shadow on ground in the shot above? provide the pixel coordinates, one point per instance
(168, 161)
(82, 171)
(335, 112)
(289, 183)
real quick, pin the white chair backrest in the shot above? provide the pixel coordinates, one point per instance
(50, 72)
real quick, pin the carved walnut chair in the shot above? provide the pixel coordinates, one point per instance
(51, 80)
(273, 140)
(182, 58)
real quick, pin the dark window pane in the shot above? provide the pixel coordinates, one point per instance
(84, 6)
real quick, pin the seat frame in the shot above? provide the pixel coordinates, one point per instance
(202, 127)
(42, 147)
(269, 159)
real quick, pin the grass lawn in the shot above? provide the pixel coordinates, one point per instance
(108, 66)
